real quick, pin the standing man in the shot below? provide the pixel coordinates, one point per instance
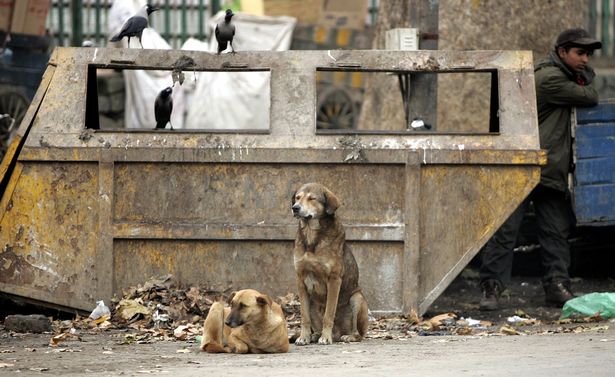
(563, 80)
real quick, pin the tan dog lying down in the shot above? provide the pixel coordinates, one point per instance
(253, 324)
(332, 305)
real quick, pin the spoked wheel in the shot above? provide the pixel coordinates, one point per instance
(13, 107)
(336, 110)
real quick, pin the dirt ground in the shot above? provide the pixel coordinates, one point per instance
(590, 353)
(393, 347)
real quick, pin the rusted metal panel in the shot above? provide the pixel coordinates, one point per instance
(49, 233)
(456, 223)
(250, 193)
(112, 208)
(262, 265)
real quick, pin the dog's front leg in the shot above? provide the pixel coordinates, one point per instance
(236, 345)
(306, 323)
(333, 292)
(213, 330)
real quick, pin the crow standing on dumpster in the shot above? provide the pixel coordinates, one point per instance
(163, 106)
(134, 26)
(225, 31)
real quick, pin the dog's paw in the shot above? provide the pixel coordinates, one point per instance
(350, 338)
(325, 340)
(302, 341)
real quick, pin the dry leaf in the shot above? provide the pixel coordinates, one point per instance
(441, 319)
(463, 331)
(59, 338)
(413, 317)
(508, 330)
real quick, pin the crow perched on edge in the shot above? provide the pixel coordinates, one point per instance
(163, 106)
(225, 31)
(133, 27)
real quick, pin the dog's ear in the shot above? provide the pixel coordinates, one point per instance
(292, 199)
(230, 297)
(332, 203)
(263, 300)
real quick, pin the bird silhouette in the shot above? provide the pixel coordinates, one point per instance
(225, 31)
(163, 106)
(134, 26)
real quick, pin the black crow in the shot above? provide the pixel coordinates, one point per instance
(225, 31)
(163, 106)
(133, 27)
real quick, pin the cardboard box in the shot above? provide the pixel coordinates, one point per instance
(30, 16)
(6, 8)
(343, 13)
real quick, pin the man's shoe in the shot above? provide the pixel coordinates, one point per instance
(491, 290)
(556, 294)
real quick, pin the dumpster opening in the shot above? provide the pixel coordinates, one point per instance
(464, 102)
(224, 100)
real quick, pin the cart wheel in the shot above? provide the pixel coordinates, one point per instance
(336, 110)
(13, 107)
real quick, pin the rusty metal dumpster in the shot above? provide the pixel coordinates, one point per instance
(87, 212)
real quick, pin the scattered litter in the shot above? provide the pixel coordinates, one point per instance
(161, 310)
(38, 369)
(60, 350)
(100, 313)
(183, 350)
(184, 332)
(592, 304)
(435, 323)
(507, 330)
(516, 319)
(6, 365)
(54, 341)
(434, 333)
(413, 317)
(129, 310)
(472, 322)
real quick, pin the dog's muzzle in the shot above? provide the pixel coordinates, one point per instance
(232, 323)
(298, 213)
(296, 209)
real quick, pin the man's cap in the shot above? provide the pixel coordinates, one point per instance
(577, 37)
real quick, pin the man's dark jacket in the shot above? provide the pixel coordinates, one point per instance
(558, 89)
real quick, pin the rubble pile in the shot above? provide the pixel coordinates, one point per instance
(160, 309)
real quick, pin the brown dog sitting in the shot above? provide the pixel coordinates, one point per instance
(332, 305)
(253, 324)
